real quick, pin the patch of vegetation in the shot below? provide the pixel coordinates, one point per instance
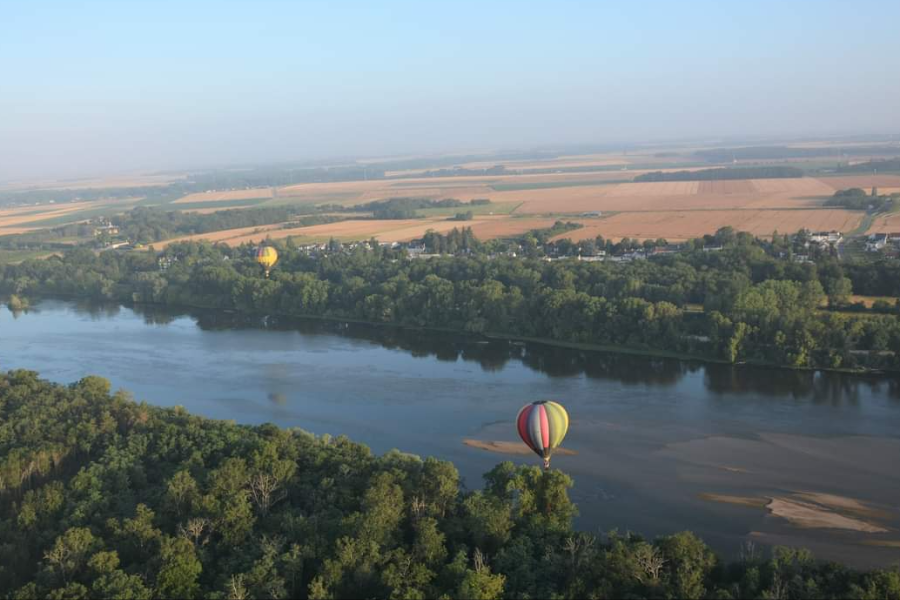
(727, 173)
(240, 203)
(11, 257)
(408, 208)
(859, 199)
(489, 208)
(873, 166)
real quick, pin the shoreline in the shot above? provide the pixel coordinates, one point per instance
(603, 348)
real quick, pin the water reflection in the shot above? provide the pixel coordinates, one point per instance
(493, 355)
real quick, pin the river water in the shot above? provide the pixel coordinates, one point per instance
(662, 445)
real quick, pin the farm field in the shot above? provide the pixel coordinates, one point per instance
(399, 230)
(227, 195)
(886, 223)
(674, 210)
(683, 225)
(133, 180)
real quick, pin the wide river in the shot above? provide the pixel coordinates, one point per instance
(733, 453)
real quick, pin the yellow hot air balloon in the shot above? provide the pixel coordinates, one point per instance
(543, 425)
(267, 256)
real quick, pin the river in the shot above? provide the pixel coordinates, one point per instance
(732, 453)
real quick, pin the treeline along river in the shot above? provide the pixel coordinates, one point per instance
(733, 453)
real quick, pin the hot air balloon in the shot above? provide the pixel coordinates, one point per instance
(543, 425)
(267, 256)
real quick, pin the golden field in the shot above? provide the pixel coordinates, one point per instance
(398, 230)
(672, 210)
(684, 225)
(213, 196)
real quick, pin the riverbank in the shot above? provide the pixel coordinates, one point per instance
(499, 336)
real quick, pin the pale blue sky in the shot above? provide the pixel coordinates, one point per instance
(89, 87)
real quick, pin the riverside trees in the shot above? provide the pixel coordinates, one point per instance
(102, 497)
(757, 303)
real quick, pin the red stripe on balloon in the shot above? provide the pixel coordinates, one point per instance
(523, 426)
(545, 427)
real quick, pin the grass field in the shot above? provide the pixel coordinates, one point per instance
(503, 208)
(12, 257)
(212, 196)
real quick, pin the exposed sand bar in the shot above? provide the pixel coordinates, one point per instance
(812, 516)
(738, 500)
(517, 448)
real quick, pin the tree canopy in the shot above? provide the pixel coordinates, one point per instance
(103, 497)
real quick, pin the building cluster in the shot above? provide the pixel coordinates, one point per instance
(885, 243)
(826, 238)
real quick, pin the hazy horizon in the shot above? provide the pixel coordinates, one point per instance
(113, 87)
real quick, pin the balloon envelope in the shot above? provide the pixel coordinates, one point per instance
(542, 426)
(267, 256)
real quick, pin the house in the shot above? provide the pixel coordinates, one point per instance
(108, 228)
(876, 242)
(826, 237)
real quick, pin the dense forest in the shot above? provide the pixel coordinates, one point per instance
(103, 497)
(770, 172)
(729, 297)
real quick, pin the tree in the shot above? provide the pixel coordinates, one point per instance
(479, 583)
(689, 563)
(178, 569)
(70, 552)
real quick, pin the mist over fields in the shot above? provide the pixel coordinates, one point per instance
(105, 88)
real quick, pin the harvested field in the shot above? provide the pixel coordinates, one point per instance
(32, 214)
(683, 225)
(399, 230)
(222, 236)
(229, 195)
(887, 223)
(463, 188)
(671, 195)
(738, 186)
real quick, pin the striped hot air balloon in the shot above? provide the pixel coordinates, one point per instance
(543, 425)
(267, 256)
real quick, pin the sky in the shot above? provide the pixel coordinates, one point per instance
(91, 88)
